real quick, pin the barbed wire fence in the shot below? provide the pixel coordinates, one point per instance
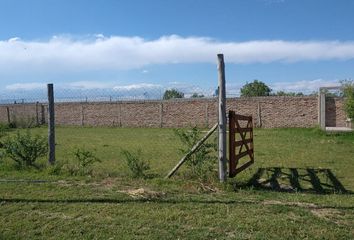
(124, 93)
(122, 106)
(19, 96)
(102, 107)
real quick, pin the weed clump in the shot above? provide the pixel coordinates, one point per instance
(136, 164)
(84, 160)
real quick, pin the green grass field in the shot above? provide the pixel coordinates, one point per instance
(303, 190)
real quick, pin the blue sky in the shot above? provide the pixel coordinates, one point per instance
(292, 45)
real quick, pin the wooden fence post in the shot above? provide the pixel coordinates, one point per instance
(206, 114)
(222, 119)
(82, 115)
(161, 114)
(37, 114)
(322, 96)
(120, 114)
(8, 115)
(259, 113)
(51, 124)
(42, 114)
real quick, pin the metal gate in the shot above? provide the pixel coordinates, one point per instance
(240, 142)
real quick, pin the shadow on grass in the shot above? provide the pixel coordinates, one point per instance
(319, 181)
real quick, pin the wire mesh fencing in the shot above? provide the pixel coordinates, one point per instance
(118, 93)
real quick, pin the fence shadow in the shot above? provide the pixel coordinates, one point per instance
(319, 181)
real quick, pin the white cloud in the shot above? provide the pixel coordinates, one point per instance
(25, 86)
(305, 86)
(116, 52)
(87, 85)
(139, 86)
(14, 39)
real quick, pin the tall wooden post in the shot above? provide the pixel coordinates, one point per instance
(322, 109)
(8, 115)
(37, 114)
(51, 124)
(222, 119)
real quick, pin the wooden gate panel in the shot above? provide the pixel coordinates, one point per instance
(240, 142)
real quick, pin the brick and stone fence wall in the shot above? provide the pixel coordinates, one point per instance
(268, 112)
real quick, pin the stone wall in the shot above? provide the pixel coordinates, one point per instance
(268, 112)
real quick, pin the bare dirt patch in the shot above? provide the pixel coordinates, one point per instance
(143, 193)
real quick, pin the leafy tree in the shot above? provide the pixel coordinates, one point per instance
(196, 95)
(172, 93)
(291, 94)
(331, 94)
(255, 89)
(348, 92)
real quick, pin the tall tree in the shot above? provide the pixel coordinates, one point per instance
(348, 92)
(291, 94)
(197, 95)
(172, 93)
(255, 89)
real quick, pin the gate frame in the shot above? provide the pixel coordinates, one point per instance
(234, 157)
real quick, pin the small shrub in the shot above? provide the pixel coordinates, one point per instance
(348, 92)
(56, 168)
(26, 122)
(25, 149)
(3, 130)
(136, 165)
(2, 155)
(200, 163)
(84, 161)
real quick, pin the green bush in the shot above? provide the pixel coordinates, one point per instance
(348, 93)
(201, 163)
(84, 160)
(25, 149)
(4, 128)
(26, 122)
(57, 168)
(136, 164)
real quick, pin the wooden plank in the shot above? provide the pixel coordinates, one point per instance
(232, 160)
(244, 166)
(245, 153)
(242, 130)
(242, 117)
(240, 142)
(242, 136)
